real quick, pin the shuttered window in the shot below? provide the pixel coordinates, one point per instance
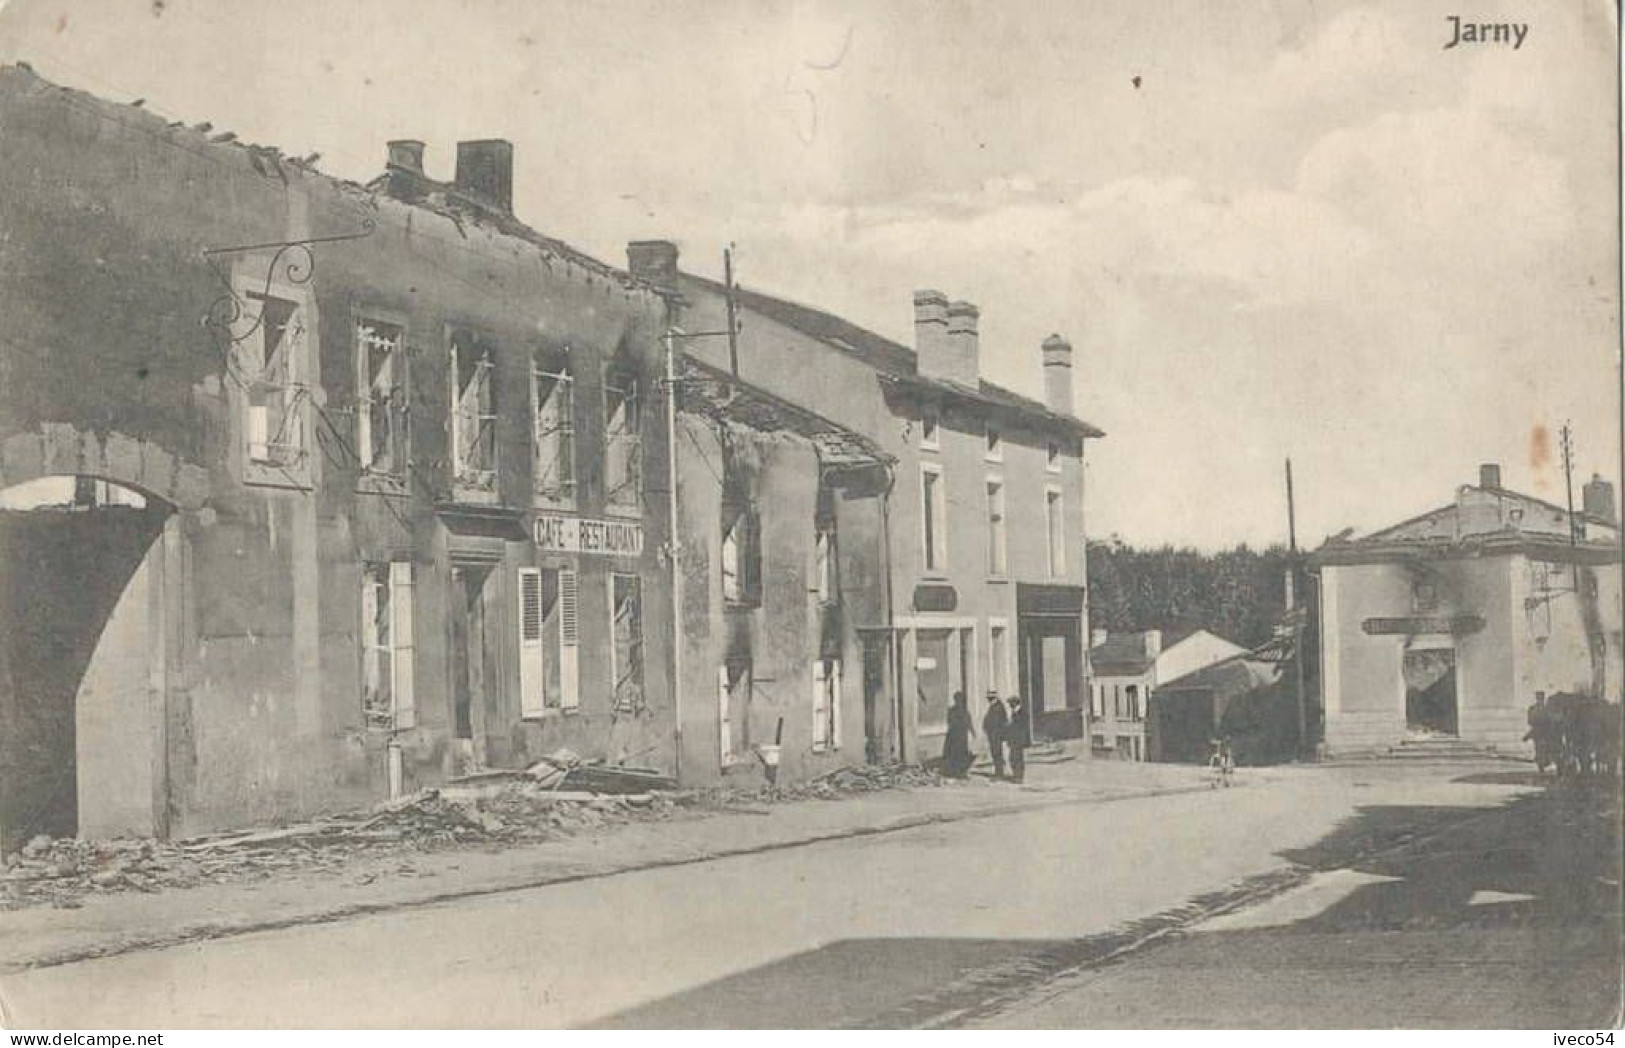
(381, 405)
(387, 646)
(548, 669)
(270, 368)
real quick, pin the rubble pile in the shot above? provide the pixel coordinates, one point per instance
(62, 871)
(849, 781)
(558, 797)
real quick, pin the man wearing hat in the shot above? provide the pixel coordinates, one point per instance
(995, 722)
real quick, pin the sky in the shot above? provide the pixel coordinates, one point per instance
(1280, 228)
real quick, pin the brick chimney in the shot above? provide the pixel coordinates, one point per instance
(1058, 375)
(1098, 636)
(485, 172)
(931, 344)
(1153, 643)
(1598, 499)
(1489, 475)
(405, 168)
(964, 349)
(654, 262)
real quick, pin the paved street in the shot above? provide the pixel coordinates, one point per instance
(891, 929)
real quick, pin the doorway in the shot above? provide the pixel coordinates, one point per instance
(1430, 691)
(1051, 675)
(472, 665)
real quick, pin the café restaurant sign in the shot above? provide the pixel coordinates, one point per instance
(608, 538)
(1420, 624)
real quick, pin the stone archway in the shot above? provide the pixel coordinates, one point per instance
(89, 607)
(59, 449)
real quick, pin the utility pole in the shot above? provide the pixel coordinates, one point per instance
(1293, 615)
(733, 316)
(1568, 481)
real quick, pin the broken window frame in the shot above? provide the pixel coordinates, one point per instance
(826, 674)
(995, 444)
(1052, 457)
(474, 447)
(270, 366)
(628, 692)
(385, 402)
(741, 552)
(623, 442)
(387, 646)
(552, 435)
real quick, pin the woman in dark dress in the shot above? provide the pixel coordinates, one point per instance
(956, 754)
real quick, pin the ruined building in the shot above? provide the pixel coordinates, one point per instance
(318, 492)
(1453, 622)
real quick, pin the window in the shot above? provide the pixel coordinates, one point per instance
(741, 553)
(381, 406)
(995, 444)
(1056, 530)
(623, 443)
(1425, 596)
(1133, 696)
(549, 659)
(552, 434)
(1052, 457)
(1117, 701)
(998, 659)
(996, 544)
(733, 710)
(934, 518)
(386, 646)
(826, 565)
(626, 622)
(1098, 742)
(473, 417)
(272, 364)
(1097, 701)
(930, 420)
(826, 705)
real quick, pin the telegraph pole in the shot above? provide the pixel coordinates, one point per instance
(1293, 615)
(1568, 481)
(733, 316)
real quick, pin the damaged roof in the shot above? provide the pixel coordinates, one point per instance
(897, 364)
(715, 394)
(1484, 520)
(212, 143)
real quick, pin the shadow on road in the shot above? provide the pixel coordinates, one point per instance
(1502, 918)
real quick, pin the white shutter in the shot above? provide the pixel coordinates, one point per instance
(820, 705)
(259, 432)
(725, 734)
(401, 642)
(532, 660)
(835, 704)
(569, 643)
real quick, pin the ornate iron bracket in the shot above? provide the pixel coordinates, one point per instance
(293, 263)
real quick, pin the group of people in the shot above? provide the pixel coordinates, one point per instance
(1574, 734)
(1008, 728)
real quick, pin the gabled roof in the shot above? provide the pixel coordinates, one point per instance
(1512, 522)
(1234, 675)
(897, 364)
